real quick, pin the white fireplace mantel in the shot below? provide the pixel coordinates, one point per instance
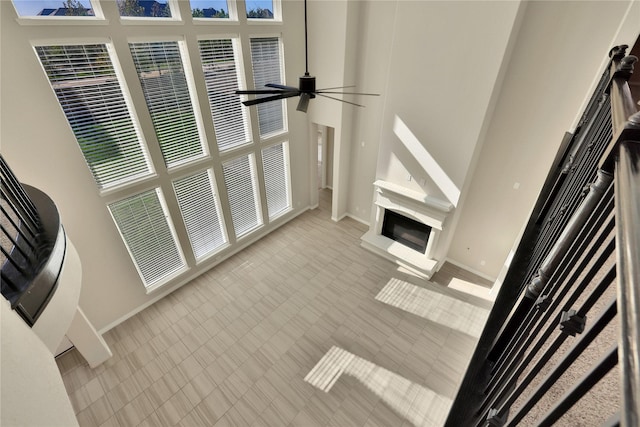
(420, 207)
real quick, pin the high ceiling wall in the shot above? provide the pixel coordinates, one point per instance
(488, 89)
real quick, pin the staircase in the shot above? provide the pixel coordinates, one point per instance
(562, 344)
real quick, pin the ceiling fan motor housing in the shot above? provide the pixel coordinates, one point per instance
(307, 84)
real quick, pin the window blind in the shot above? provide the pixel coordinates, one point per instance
(85, 83)
(240, 180)
(164, 84)
(267, 68)
(275, 161)
(200, 209)
(142, 221)
(219, 59)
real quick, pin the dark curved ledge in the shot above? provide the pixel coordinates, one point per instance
(51, 242)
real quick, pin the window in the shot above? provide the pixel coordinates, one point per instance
(276, 179)
(216, 9)
(142, 221)
(161, 73)
(240, 179)
(144, 8)
(260, 9)
(54, 8)
(200, 210)
(181, 189)
(85, 82)
(219, 59)
(267, 68)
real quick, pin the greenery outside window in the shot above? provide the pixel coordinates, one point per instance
(144, 8)
(56, 9)
(84, 79)
(260, 9)
(211, 9)
(169, 100)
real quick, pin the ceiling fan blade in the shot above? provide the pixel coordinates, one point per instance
(259, 91)
(303, 104)
(340, 87)
(348, 93)
(341, 100)
(282, 95)
(281, 86)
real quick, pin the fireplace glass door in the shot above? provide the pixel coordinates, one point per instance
(406, 231)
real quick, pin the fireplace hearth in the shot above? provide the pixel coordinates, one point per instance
(406, 228)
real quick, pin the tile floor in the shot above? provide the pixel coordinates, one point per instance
(243, 345)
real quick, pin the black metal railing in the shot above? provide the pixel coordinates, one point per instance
(32, 245)
(569, 306)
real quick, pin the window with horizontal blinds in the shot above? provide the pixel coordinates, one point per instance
(200, 210)
(241, 183)
(142, 221)
(266, 63)
(167, 93)
(275, 163)
(87, 87)
(219, 64)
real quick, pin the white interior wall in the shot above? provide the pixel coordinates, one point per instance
(559, 52)
(438, 80)
(31, 391)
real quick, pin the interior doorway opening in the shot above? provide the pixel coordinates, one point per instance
(323, 138)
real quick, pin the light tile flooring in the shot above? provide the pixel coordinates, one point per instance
(233, 348)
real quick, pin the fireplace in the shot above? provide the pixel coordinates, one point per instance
(406, 228)
(409, 232)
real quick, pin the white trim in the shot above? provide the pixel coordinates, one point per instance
(49, 20)
(471, 270)
(420, 207)
(66, 41)
(355, 218)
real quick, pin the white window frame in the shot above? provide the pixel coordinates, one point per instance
(124, 183)
(287, 167)
(97, 18)
(161, 177)
(193, 96)
(220, 212)
(285, 114)
(232, 6)
(176, 16)
(277, 15)
(161, 197)
(241, 80)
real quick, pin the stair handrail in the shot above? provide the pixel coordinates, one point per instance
(622, 158)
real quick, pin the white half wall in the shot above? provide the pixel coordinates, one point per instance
(31, 389)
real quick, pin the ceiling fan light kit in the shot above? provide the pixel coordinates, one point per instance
(306, 89)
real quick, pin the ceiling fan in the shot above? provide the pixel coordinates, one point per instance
(306, 89)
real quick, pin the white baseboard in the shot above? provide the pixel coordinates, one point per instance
(360, 220)
(187, 279)
(471, 270)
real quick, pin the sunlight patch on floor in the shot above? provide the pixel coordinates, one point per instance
(417, 404)
(434, 306)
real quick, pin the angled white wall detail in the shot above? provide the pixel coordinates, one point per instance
(426, 161)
